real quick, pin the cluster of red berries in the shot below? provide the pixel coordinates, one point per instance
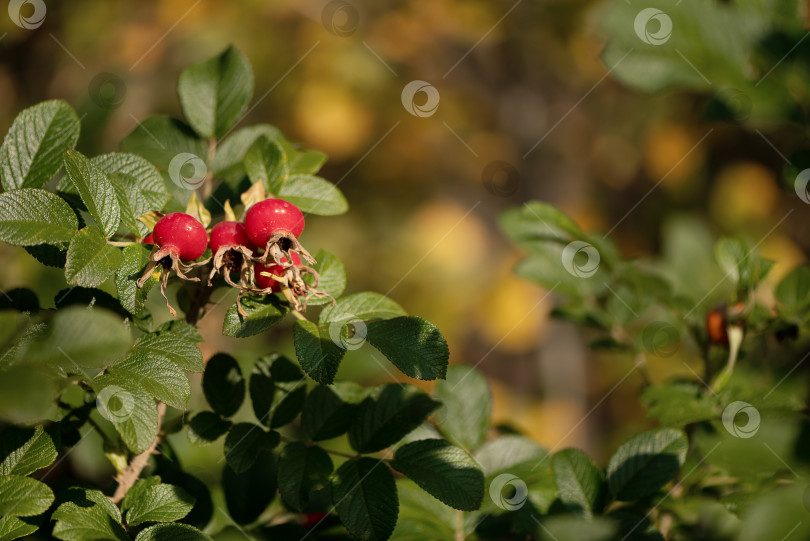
(264, 250)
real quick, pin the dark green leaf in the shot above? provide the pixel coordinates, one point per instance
(230, 153)
(223, 384)
(25, 450)
(23, 496)
(15, 527)
(159, 377)
(646, 462)
(302, 468)
(680, 403)
(421, 516)
(364, 306)
(793, 290)
(263, 311)
(265, 161)
(206, 427)
(32, 150)
(365, 497)
(313, 195)
(580, 482)
(466, 406)
(573, 528)
(138, 491)
(248, 494)
(246, 441)
(97, 192)
(90, 260)
(171, 532)
(329, 410)
(277, 390)
(180, 328)
(79, 523)
(318, 355)
(332, 277)
(173, 347)
(413, 345)
(29, 217)
(161, 503)
(160, 139)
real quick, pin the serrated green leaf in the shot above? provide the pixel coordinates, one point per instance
(364, 306)
(329, 410)
(96, 190)
(88, 497)
(444, 471)
(173, 347)
(412, 344)
(793, 291)
(466, 406)
(317, 354)
(263, 311)
(160, 139)
(50, 256)
(248, 494)
(365, 497)
(90, 260)
(246, 441)
(388, 416)
(301, 469)
(223, 384)
(680, 403)
(161, 503)
(32, 150)
(332, 277)
(131, 297)
(262, 390)
(30, 216)
(15, 527)
(180, 328)
(277, 390)
(130, 409)
(79, 523)
(206, 427)
(580, 482)
(138, 491)
(159, 377)
(171, 532)
(215, 93)
(266, 161)
(138, 186)
(25, 450)
(313, 195)
(23, 496)
(646, 462)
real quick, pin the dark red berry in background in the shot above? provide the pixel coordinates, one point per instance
(229, 234)
(148, 239)
(313, 519)
(716, 326)
(264, 282)
(271, 216)
(183, 234)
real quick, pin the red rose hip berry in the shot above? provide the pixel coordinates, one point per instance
(232, 251)
(270, 217)
(229, 234)
(182, 234)
(267, 282)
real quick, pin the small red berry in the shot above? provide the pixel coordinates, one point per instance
(229, 234)
(313, 519)
(271, 216)
(716, 327)
(265, 282)
(147, 239)
(182, 234)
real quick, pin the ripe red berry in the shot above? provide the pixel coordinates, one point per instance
(716, 327)
(229, 234)
(147, 239)
(265, 282)
(271, 216)
(182, 234)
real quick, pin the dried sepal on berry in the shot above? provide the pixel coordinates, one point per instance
(286, 277)
(233, 252)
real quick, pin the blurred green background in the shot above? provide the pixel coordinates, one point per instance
(524, 92)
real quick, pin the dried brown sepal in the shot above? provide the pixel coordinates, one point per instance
(168, 261)
(295, 288)
(230, 259)
(279, 246)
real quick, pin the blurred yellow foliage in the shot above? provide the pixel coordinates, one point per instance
(745, 194)
(667, 154)
(332, 119)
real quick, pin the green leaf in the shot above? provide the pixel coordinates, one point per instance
(680, 403)
(130, 409)
(228, 161)
(573, 528)
(138, 186)
(444, 471)
(215, 93)
(793, 290)
(246, 441)
(161, 503)
(248, 494)
(365, 497)
(173, 347)
(421, 516)
(412, 344)
(307, 162)
(515, 455)
(79, 523)
(364, 306)
(277, 390)
(23, 496)
(82, 337)
(332, 277)
(96, 190)
(466, 406)
(329, 410)
(732, 256)
(29, 217)
(27, 394)
(160, 139)
(266, 161)
(580, 482)
(313, 195)
(32, 150)
(180, 328)
(538, 221)
(646, 462)
(131, 297)
(138, 491)
(159, 377)
(88, 497)
(90, 260)
(318, 355)
(25, 450)
(301, 469)
(15, 527)
(206, 427)
(263, 311)
(388, 416)
(171, 532)
(223, 384)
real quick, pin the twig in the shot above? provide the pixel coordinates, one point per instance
(133, 471)
(459, 530)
